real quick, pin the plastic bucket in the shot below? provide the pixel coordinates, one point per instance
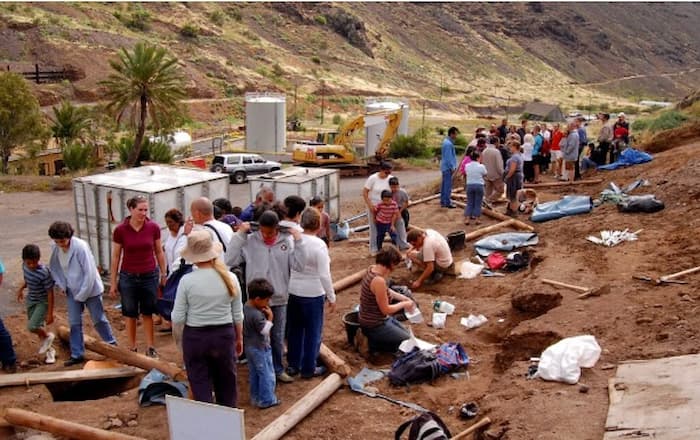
(352, 324)
(456, 240)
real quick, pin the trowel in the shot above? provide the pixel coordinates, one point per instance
(357, 384)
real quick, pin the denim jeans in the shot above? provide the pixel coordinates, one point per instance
(386, 337)
(401, 233)
(7, 352)
(305, 329)
(446, 188)
(139, 293)
(372, 233)
(382, 230)
(210, 359)
(475, 195)
(261, 376)
(279, 322)
(75, 319)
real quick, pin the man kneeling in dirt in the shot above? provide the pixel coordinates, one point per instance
(430, 252)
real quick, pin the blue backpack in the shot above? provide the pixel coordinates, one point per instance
(166, 302)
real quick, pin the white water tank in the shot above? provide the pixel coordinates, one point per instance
(265, 122)
(374, 133)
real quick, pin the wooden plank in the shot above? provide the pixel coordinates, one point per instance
(8, 380)
(41, 422)
(658, 399)
(555, 184)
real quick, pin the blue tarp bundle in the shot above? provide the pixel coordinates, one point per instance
(629, 156)
(569, 205)
(507, 241)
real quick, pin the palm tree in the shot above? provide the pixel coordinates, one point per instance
(146, 83)
(70, 123)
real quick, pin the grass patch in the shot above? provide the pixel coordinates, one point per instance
(666, 120)
(421, 162)
(35, 183)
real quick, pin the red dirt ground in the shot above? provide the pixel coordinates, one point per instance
(633, 321)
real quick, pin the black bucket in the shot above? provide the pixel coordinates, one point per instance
(456, 240)
(352, 324)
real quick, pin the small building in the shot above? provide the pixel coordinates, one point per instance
(45, 163)
(540, 111)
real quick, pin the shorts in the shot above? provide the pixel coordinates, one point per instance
(36, 314)
(138, 293)
(556, 155)
(569, 163)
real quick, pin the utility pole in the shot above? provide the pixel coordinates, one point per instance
(507, 106)
(323, 101)
(422, 124)
(442, 85)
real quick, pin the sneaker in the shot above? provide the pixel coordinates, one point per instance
(9, 369)
(152, 353)
(292, 371)
(50, 356)
(318, 371)
(242, 359)
(285, 378)
(46, 343)
(74, 361)
(275, 403)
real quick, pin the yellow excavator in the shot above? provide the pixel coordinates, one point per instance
(334, 149)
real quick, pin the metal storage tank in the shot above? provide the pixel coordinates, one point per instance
(265, 122)
(373, 133)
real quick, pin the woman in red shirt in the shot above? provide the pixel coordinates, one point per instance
(136, 242)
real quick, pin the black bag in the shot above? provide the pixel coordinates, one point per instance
(166, 302)
(517, 260)
(645, 203)
(427, 426)
(239, 271)
(414, 367)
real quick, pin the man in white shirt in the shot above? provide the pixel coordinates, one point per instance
(202, 217)
(430, 252)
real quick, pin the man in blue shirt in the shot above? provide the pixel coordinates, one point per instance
(448, 164)
(7, 353)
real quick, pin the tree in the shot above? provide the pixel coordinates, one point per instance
(146, 84)
(70, 123)
(20, 118)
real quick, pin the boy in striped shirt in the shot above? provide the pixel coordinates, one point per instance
(385, 215)
(39, 299)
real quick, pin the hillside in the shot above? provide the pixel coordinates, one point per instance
(476, 54)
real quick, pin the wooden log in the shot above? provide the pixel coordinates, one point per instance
(349, 280)
(333, 362)
(302, 408)
(125, 356)
(555, 184)
(474, 427)
(27, 379)
(488, 229)
(433, 197)
(6, 430)
(29, 419)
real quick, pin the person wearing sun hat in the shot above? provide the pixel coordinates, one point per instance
(208, 303)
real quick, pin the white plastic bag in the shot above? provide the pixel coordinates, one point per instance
(562, 361)
(470, 270)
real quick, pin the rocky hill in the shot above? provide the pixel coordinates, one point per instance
(471, 53)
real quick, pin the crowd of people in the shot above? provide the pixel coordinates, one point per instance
(508, 156)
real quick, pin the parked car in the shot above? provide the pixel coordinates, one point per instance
(240, 165)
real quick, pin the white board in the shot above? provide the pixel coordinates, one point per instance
(192, 420)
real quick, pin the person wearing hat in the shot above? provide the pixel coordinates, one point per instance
(208, 304)
(605, 138)
(621, 136)
(372, 195)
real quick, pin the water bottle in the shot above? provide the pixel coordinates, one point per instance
(443, 307)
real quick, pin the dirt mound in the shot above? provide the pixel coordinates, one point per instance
(669, 139)
(535, 302)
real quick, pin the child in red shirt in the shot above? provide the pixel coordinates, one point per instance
(385, 215)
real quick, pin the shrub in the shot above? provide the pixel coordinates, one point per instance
(665, 121)
(277, 70)
(320, 19)
(150, 152)
(217, 17)
(440, 130)
(409, 146)
(76, 156)
(139, 20)
(337, 119)
(189, 31)
(316, 59)
(234, 13)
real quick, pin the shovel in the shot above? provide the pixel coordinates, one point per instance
(356, 386)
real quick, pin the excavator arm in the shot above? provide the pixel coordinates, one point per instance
(392, 127)
(348, 130)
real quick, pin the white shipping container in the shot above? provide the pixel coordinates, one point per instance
(100, 200)
(303, 182)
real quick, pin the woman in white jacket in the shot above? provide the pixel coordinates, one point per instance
(309, 289)
(75, 273)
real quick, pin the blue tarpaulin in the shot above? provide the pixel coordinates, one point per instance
(569, 205)
(506, 242)
(628, 157)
